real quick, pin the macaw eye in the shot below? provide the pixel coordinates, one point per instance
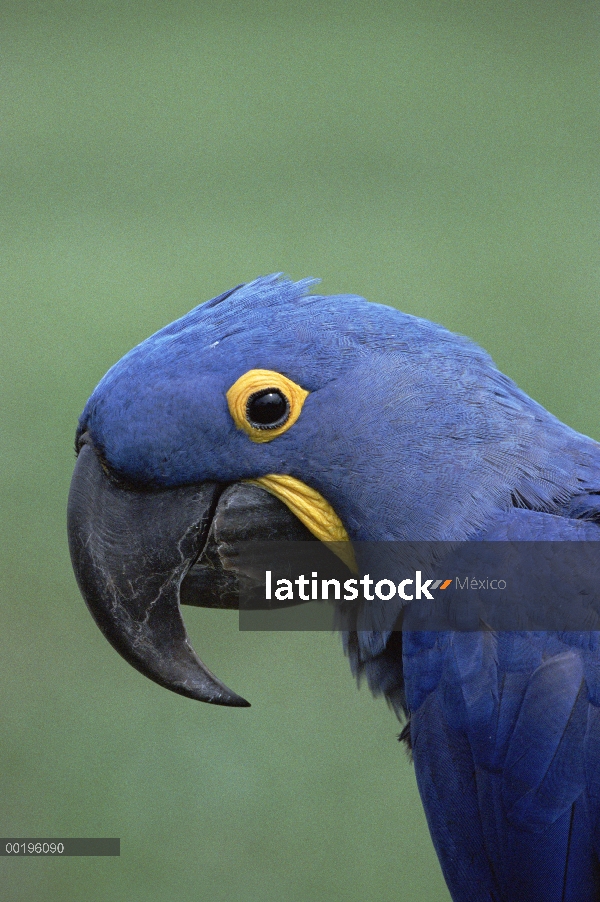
(267, 409)
(264, 403)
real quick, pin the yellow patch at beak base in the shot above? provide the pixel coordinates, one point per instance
(312, 510)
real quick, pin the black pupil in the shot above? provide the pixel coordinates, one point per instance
(267, 409)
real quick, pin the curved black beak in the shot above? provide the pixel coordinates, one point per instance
(138, 554)
(130, 551)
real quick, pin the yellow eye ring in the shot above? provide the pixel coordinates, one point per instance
(264, 404)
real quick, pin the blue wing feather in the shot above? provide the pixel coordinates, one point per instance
(505, 733)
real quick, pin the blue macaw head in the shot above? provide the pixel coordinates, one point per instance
(396, 407)
(366, 423)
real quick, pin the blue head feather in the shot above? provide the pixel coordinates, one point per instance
(409, 431)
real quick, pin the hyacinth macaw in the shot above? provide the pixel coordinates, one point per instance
(385, 427)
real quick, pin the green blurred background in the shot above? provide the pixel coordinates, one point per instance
(442, 157)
